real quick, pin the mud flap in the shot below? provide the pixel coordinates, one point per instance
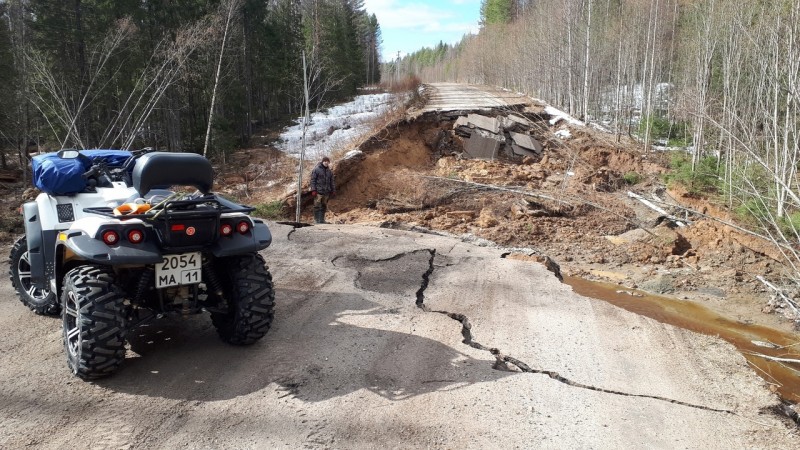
(36, 245)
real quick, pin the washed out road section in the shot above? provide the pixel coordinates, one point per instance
(366, 350)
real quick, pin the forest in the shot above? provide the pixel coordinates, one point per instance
(717, 78)
(177, 75)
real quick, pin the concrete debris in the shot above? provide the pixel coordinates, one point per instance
(490, 124)
(499, 137)
(483, 145)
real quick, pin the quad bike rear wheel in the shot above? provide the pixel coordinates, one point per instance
(251, 300)
(93, 321)
(41, 301)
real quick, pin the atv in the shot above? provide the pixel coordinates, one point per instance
(109, 248)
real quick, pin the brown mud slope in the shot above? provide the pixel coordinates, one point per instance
(571, 204)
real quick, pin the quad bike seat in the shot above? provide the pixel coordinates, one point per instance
(160, 170)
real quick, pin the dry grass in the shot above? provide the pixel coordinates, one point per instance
(410, 83)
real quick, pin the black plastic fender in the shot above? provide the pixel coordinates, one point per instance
(36, 245)
(259, 238)
(96, 251)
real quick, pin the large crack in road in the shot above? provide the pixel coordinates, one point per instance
(508, 363)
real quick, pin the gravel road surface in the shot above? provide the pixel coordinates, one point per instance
(455, 96)
(387, 338)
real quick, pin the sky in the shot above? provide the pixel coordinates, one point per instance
(407, 26)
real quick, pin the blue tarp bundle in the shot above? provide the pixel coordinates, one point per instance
(57, 176)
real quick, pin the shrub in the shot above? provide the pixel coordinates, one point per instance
(704, 179)
(632, 178)
(752, 212)
(271, 210)
(675, 133)
(790, 225)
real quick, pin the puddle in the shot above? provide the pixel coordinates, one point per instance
(697, 318)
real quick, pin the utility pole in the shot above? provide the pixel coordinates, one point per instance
(303, 148)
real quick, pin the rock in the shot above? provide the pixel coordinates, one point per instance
(661, 284)
(712, 291)
(518, 211)
(487, 219)
(598, 259)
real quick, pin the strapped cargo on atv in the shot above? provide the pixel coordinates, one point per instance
(108, 246)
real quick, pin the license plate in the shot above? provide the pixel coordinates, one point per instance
(177, 270)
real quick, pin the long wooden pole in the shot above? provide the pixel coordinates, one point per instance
(303, 147)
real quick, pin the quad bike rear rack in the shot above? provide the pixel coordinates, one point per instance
(178, 208)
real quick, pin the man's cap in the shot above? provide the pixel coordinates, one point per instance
(325, 158)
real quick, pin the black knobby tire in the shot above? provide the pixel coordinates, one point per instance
(251, 299)
(93, 321)
(41, 301)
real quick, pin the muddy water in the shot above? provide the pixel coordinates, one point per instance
(785, 377)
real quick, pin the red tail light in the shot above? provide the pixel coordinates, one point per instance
(226, 229)
(178, 227)
(111, 237)
(136, 236)
(243, 227)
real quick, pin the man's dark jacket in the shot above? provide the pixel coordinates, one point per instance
(322, 180)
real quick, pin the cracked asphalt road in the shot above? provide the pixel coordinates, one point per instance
(394, 339)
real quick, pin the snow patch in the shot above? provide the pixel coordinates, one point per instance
(335, 127)
(559, 115)
(353, 154)
(563, 134)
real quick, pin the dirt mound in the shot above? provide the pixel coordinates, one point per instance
(392, 160)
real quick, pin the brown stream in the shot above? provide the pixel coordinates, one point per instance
(691, 316)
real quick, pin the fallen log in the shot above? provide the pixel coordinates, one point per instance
(656, 208)
(775, 358)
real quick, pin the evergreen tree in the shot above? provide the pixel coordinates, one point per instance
(260, 81)
(497, 11)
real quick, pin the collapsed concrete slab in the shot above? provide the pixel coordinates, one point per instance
(483, 145)
(497, 137)
(516, 123)
(526, 142)
(490, 124)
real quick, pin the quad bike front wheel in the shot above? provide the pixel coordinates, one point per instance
(251, 299)
(94, 322)
(41, 301)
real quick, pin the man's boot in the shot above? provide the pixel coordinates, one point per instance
(318, 215)
(322, 214)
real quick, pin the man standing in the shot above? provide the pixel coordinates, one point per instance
(322, 188)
